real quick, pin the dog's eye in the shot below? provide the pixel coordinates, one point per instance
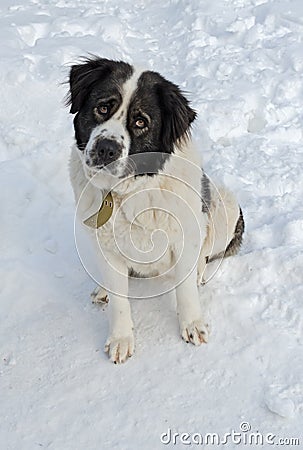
(140, 123)
(103, 109)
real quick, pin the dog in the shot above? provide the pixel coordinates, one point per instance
(135, 170)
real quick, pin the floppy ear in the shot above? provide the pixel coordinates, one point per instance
(82, 78)
(177, 114)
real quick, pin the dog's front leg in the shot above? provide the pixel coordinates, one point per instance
(192, 326)
(120, 343)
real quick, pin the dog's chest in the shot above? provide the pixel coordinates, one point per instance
(142, 229)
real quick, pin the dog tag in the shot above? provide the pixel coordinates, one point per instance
(103, 215)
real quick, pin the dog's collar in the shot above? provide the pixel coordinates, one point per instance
(103, 214)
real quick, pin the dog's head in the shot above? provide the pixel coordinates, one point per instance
(122, 112)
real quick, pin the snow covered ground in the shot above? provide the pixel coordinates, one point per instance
(242, 62)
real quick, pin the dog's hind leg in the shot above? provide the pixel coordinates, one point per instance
(226, 226)
(99, 295)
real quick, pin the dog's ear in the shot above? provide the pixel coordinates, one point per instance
(177, 114)
(83, 77)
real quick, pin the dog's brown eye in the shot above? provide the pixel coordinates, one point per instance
(103, 109)
(140, 123)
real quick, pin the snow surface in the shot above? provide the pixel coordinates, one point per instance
(241, 62)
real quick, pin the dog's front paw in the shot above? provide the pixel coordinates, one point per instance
(120, 348)
(195, 332)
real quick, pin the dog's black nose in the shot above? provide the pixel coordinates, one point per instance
(106, 151)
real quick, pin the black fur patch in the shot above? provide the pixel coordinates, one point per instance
(235, 244)
(84, 77)
(170, 119)
(205, 192)
(94, 79)
(134, 274)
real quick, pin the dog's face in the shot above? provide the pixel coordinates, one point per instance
(122, 112)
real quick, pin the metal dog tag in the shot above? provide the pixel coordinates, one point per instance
(103, 215)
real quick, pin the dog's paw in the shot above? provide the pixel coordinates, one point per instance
(195, 332)
(99, 295)
(120, 348)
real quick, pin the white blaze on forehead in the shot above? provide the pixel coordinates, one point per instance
(128, 89)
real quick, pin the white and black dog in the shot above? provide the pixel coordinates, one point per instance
(136, 170)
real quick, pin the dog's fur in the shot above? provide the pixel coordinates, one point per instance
(121, 115)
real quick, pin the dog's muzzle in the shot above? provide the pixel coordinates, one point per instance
(104, 152)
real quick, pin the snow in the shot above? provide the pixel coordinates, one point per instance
(241, 63)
